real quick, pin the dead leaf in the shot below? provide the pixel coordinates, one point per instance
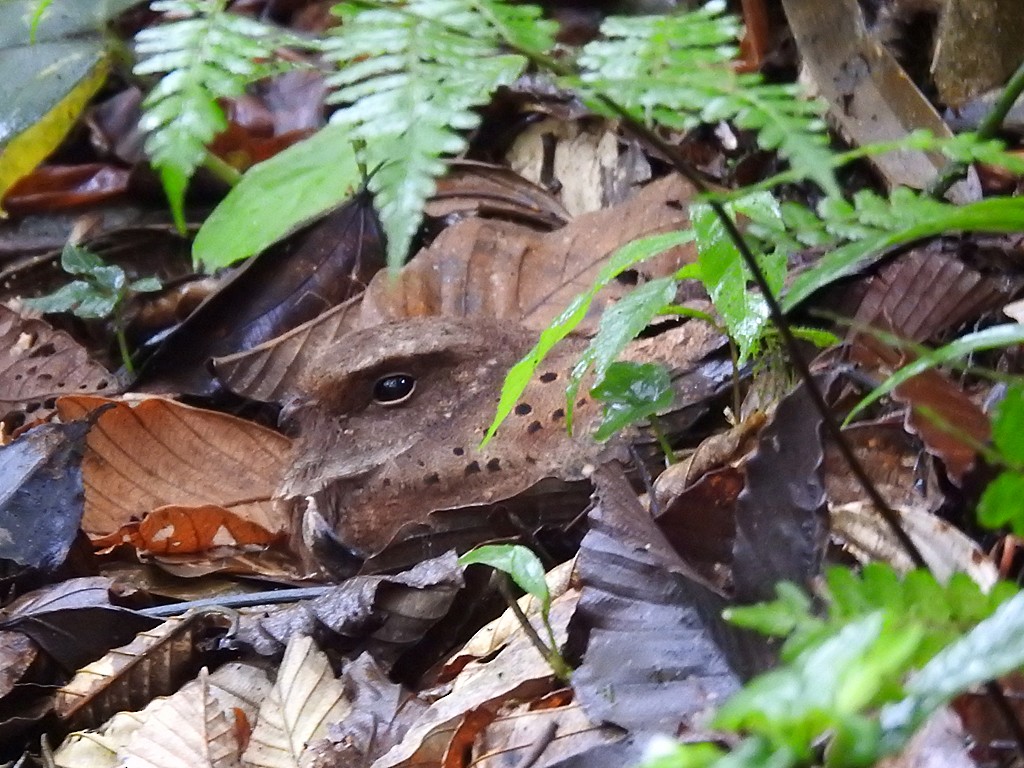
(305, 699)
(781, 517)
(74, 621)
(160, 453)
(190, 730)
(289, 284)
(384, 615)
(642, 603)
(155, 663)
(869, 95)
(41, 495)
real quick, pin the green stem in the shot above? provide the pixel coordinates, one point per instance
(550, 652)
(221, 169)
(989, 126)
(122, 341)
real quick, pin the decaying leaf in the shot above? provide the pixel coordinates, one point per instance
(39, 364)
(305, 699)
(74, 621)
(278, 290)
(381, 714)
(641, 602)
(190, 730)
(41, 495)
(384, 615)
(781, 520)
(163, 454)
(155, 663)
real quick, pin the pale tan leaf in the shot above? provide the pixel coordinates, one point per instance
(305, 699)
(190, 730)
(161, 453)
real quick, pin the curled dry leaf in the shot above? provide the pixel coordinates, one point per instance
(305, 699)
(39, 364)
(161, 454)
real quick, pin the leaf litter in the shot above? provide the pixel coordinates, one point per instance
(369, 671)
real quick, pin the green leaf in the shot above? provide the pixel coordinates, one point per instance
(277, 196)
(908, 217)
(794, 706)
(778, 618)
(206, 54)
(43, 90)
(619, 325)
(995, 337)
(725, 275)
(1000, 504)
(56, 21)
(678, 71)
(624, 258)
(411, 78)
(632, 392)
(76, 260)
(524, 567)
(992, 649)
(146, 285)
(64, 299)
(1008, 425)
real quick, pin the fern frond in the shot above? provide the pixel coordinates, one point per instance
(411, 75)
(207, 54)
(677, 71)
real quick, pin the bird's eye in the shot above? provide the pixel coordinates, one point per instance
(393, 389)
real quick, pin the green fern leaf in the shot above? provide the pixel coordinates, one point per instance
(411, 76)
(677, 71)
(207, 54)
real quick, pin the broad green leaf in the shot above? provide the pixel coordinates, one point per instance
(795, 705)
(992, 649)
(519, 563)
(778, 618)
(631, 392)
(995, 337)
(278, 196)
(43, 90)
(80, 261)
(64, 299)
(56, 20)
(146, 285)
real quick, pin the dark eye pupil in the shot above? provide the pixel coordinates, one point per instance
(394, 388)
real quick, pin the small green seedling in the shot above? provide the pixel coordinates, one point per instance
(100, 293)
(527, 571)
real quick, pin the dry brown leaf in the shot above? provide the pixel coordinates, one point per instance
(162, 453)
(39, 364)
(517, 672)
(190, 730)
(481, 268)
(476, 268)
(154, 664)
(305, 699)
